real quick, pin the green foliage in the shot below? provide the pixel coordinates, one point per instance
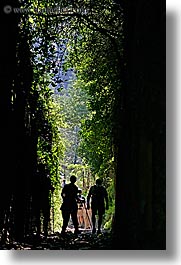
(56, 216)
(94, 51)
(73, 108)
(110, 212)
(86, 36)
(50, 144)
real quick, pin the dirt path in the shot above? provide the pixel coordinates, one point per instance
(84, 241)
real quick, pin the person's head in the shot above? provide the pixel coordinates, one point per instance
(73, 179)
(98, 182)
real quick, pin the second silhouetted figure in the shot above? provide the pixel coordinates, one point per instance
(99, 196)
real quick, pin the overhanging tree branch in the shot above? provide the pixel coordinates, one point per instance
(91, 24)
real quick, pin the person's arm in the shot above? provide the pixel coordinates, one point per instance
(63, 193)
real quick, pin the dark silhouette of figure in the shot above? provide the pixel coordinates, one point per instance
(81, 206)
(99, 196)
(69, 206)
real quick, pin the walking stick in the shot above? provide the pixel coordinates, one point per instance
(88, 216)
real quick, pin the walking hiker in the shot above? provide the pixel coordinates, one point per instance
(99, 197)
(69, 205)
(84, 219)
(80, 203)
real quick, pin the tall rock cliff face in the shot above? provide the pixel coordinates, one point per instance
(141, 156)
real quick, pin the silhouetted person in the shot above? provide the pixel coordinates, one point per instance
(81, 205)
(99, 197)
(69, 206)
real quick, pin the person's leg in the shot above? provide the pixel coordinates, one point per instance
(85, 219)
(66, 216)
(79, 217)
(82, 219)
(74, 220)
(99, 222)
(93, 221)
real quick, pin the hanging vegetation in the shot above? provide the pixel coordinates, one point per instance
(95, 122)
